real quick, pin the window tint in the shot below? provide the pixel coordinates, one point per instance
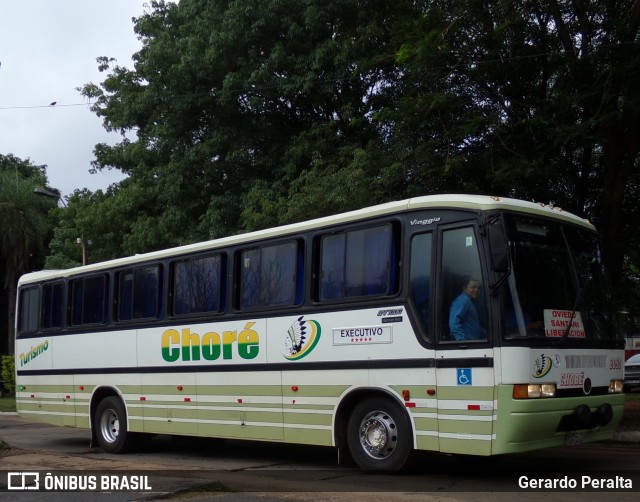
(269, 276)
(463, 308)
(356, 263)
(139, 293)
(89, 300)
(52, 295)
(557, 271)
(29, 309)
(332, 267)
(420, 280)
(196, 285)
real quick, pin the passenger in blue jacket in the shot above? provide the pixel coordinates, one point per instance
(464, 322)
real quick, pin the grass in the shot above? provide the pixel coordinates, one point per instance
(7, 403)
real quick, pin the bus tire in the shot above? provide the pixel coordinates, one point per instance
(379, 435)
(110, 425)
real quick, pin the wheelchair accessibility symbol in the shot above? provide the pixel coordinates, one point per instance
(464, 376)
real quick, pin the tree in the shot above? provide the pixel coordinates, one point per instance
(537, 100)
(245, 111)
(25, 226)
(258, 112)
(111, 224)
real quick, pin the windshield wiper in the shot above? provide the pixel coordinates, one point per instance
(567, 330)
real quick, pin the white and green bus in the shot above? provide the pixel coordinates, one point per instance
(452, 323)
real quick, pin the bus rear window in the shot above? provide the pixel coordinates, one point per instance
(29, 309)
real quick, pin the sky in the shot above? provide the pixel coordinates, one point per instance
(48, 48)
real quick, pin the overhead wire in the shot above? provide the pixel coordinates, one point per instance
(265, 87)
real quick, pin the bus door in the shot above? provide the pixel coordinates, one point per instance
(464, 355)
(421, 294)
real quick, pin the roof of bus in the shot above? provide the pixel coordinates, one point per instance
(444, 201)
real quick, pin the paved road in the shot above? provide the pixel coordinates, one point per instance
(268, 470)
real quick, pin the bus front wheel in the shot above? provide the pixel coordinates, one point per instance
(110, 426)
(379, 435)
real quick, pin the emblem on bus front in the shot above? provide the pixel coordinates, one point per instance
(541, 366)
(302, 337)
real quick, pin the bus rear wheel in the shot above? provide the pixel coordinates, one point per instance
(110, 426)
(379, 435)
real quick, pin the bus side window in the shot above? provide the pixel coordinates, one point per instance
(332, 267)
(89, 300)
(420, 278)
(29, 310)
(197, 285)
(52, 305)
(463, 309)
(270, 276)
(357, 263)
(139, 293)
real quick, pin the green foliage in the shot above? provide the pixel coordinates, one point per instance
(238, 108)
(532, 100)
(24, 215)
(8, 373)
(254, 113)
(26, 227)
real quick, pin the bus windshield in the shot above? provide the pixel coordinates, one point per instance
(557, 289)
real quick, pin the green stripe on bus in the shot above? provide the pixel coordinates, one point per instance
(237, 390)
(314, 390)
(240, 432)
(466, 393)
(465, 427)
(180, 428)
(49, 418)
(33, 389)
(153, 401)
(307, 418)
(320, 407)
(308, 436)
(465, 413)
(416, 392)
(427, 443)
(239, 415)
(48, 406)
(426, 424)
(465, 446)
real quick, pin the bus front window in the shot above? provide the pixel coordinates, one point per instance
(557, 288)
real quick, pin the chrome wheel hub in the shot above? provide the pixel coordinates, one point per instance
(378, 434)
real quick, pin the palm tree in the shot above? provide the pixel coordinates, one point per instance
(24, 229)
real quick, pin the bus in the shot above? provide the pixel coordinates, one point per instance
(461, 324)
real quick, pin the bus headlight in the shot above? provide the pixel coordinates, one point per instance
(615, 386)
(534, 390)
